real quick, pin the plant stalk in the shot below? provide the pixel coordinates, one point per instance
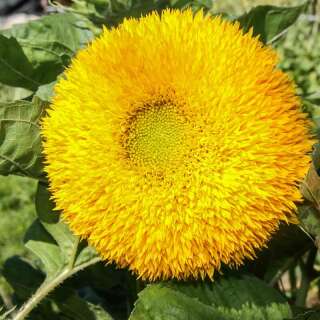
(49, 286)
(307, 275)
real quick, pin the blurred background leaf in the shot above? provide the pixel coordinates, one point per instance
(269, 22)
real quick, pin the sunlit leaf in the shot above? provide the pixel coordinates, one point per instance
(20, 142)
(60, 232)
(46, 91)
(9, 94)
(58, 251)
(270, 21)
(228, 299)
(35, 53)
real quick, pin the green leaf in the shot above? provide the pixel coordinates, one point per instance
(70, 31)
(308, 314)
(85, 253)
(25, 279)
(284, 249)
(227, 299)
(99, 313)
(22, 276)
(113, 12)
(309, 218)
(310, 187)
(45, 207)
(195, 4)
(52, 241)
(46, 91)
(43, 245)
(35, 53)
(133, 8)
(50, 220)
(16, 69)
(309, 211)
(9, 94)
(305, 314)
(77, 308)
(20, 142)
(60, 252)
(270, 21)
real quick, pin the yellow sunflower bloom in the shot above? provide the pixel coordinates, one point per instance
(175, 145)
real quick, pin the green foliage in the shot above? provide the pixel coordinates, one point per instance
(111, 13)
(64, 301)
(32, 57)
(284, 251)
(308, 315)
(52, 37)
(20, 151)
(17, 70)
(300, 58)
(53, 242)
(310, 188)
(299, 52)
(60, 256)
(45, 92)
(17, 213)
(35, 53)
(9, 94)
(268, 22)
(227, 299)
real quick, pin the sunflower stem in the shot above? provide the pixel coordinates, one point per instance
(49, 285)
(293, 282)
(306, 277)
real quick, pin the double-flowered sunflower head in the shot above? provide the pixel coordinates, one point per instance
(174, 145)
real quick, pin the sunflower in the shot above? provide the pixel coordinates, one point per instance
(174, 145)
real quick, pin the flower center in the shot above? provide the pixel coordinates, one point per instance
(156, 137)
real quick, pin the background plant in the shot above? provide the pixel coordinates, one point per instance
(41, 278)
